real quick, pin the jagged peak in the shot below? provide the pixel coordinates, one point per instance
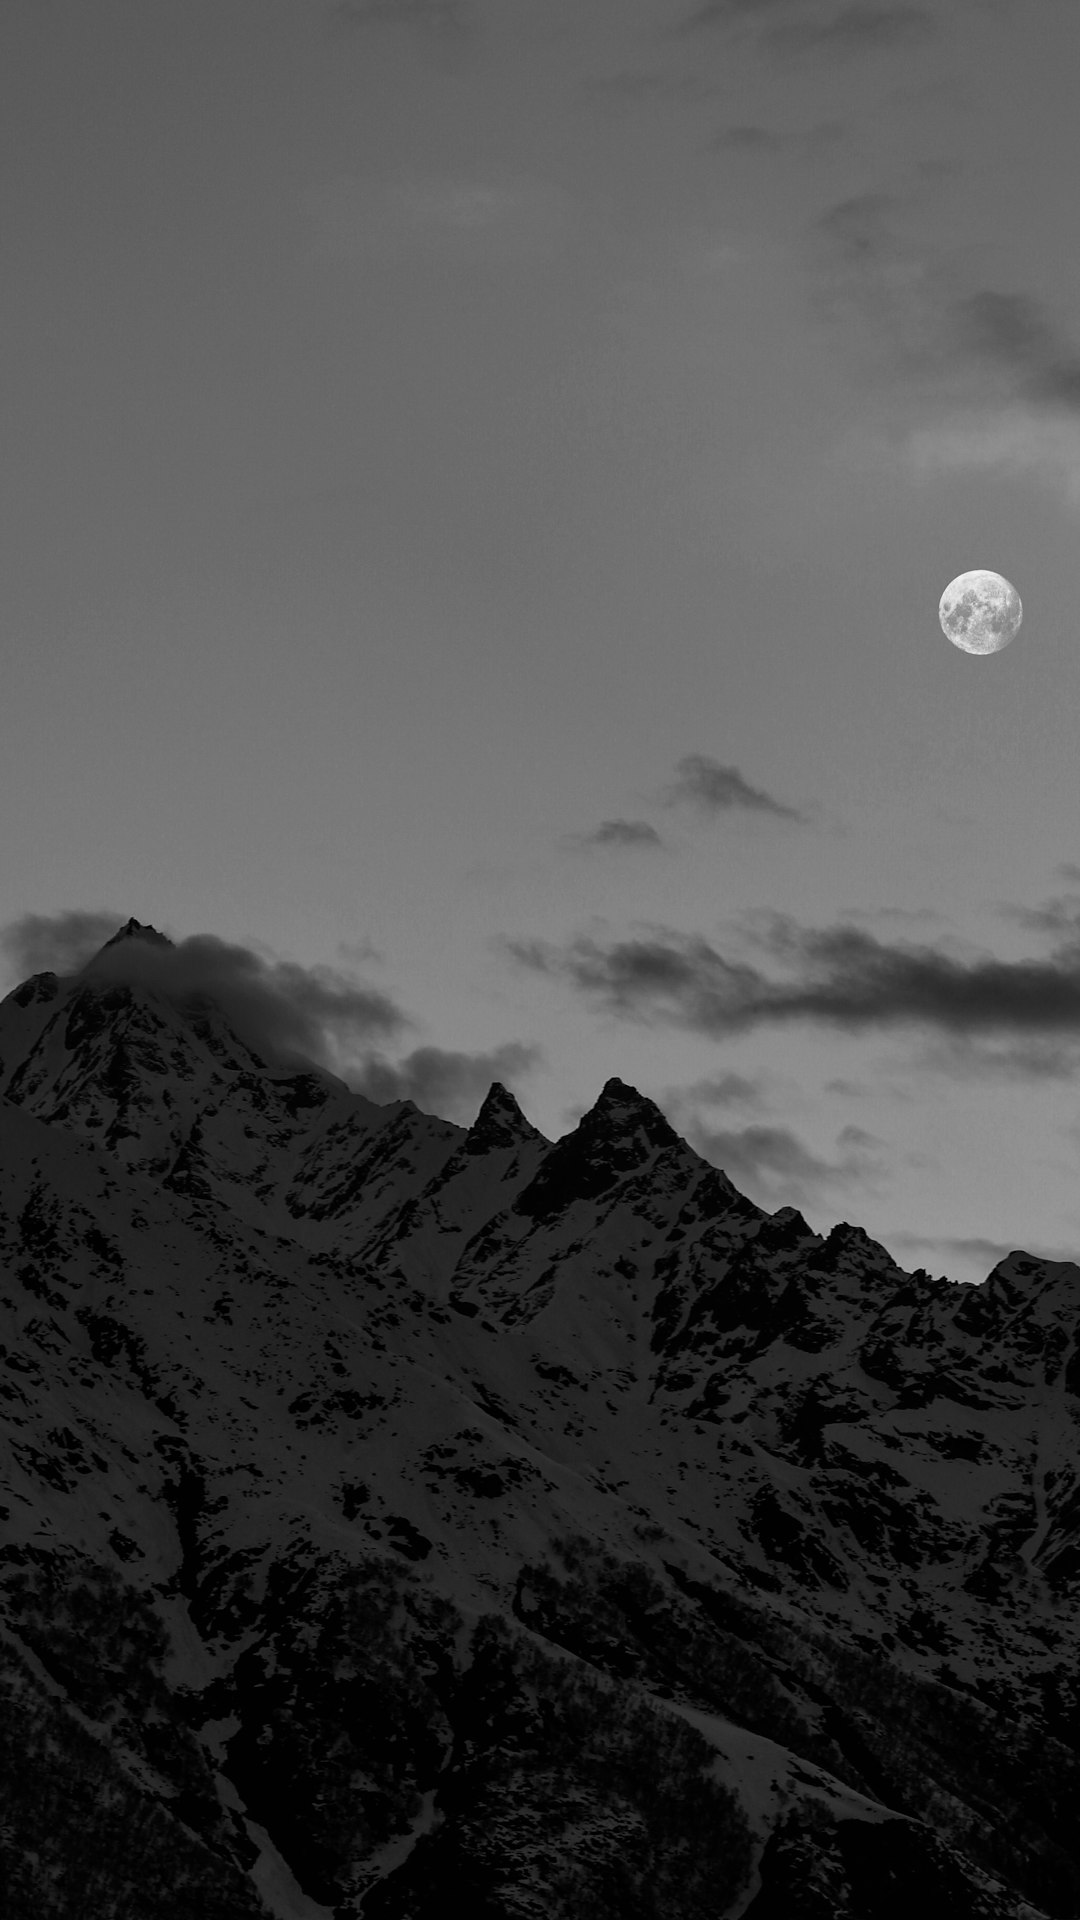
(135, 930)
(617, 1137)
(39, 987)
(499, 1123)
(852, 1246)
(787, 1227)
(622, 1109)
(1021, 1266)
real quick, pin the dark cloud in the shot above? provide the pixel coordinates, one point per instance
(55, 942)
(862, 26)
(1059, 916)
(858, 28)
(841, 976)
(449, 1084)
(773, 1166)
(281, 1009)
(619, 833)
(989, 339)
(285, 1012)
(712, 788)
(1012, 332)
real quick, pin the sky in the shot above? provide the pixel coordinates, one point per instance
(476, 482)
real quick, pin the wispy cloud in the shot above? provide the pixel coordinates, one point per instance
(974, 1056)
(1012, 331)
(1002, 377)
(441, 1081)
(999, 379)
(1012, 441)
(842, 977)
(712, 14)
(747, 138)
(353, 219)
(644, 86)
(776, 1168)
(703, 783)
(444, 19)
(768, 1161)
(859, 28)
(1059, 916)
(717, 1090)
(750, 137)
(618, 833)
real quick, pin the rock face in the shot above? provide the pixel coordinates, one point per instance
(392, 1510)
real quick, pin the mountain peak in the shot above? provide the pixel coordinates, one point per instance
(620, 1108)
(617, 1137)
(499, 1123)
(135, 930)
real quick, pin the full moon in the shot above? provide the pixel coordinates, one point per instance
(980, 611)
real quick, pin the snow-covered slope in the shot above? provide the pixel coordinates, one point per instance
(390, 1507)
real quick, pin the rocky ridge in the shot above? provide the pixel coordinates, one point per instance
(390, 1505)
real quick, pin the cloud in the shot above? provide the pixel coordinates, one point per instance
(773, 1165)
(1058, 916)
(974, 1057)
(1010, 441)
(619, 833)
(56, 942)
(855, 29)
(286, 1013)
(865, 268)
(638, 86)
(450, 1084)
(1011, 373)
(354, 220)
(444, 19)
(749, 137)
(718, 1090)
(746, 138)
(862, 26)
(282, 1010)
(1031, 425)
(721, 13)
(840, 976)
(713, 788)
(1011, 330)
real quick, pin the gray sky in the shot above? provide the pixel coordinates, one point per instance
(477, 480)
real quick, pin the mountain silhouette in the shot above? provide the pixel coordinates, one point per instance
(399, 1518)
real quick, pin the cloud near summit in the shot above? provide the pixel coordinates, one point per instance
(287, 1013)
(281, 1009)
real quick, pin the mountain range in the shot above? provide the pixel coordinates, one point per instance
(399, 1518)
